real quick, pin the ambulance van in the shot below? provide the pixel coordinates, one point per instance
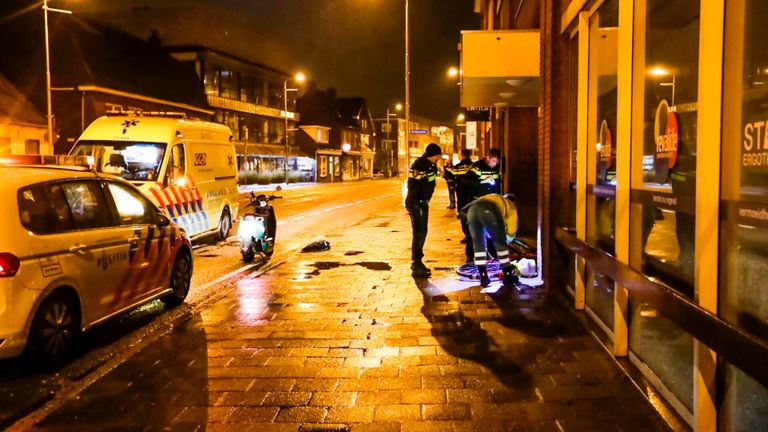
(186, 167)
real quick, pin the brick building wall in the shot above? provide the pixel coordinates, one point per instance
(554, 152)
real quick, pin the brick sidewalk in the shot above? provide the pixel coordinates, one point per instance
(347, 340)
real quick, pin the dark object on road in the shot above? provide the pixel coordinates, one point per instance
(317, 246)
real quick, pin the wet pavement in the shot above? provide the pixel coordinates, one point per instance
(346, 339)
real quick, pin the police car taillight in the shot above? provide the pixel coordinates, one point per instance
(9, 264)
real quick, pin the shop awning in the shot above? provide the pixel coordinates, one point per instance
(500, 68)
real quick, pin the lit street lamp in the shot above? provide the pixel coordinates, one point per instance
(398, 107)
(48, 68)
(299, 78)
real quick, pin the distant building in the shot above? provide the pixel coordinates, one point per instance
(390, 142)
(23, 129)
(248, 97)
(339, 132)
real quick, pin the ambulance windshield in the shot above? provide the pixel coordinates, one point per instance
(136, 161)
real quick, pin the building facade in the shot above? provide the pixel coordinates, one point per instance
(249, 98)
(23, 130)
(649, 130)
(390, 142)
(338, 132)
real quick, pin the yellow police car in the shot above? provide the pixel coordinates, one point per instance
(77, 249)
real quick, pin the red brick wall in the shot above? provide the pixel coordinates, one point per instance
(553, 151)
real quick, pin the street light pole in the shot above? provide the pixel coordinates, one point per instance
(407, 98)
(48, 68)
(285, 117)
(299, 77)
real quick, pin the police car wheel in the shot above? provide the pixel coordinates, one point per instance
(180, 278)
(224, 225)
(55, 328)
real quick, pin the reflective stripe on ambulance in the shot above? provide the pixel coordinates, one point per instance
(183, 206)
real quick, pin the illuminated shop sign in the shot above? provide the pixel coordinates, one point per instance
(754, 148)
(665, 135)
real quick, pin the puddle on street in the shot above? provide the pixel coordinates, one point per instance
(375, 265)
(329, 265)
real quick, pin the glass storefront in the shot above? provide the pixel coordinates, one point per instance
(663, 105)
(601, 151)
(744, 205)
(664, 184)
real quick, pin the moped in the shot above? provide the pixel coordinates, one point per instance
(258, 227)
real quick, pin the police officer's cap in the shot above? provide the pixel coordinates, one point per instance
(432, 150)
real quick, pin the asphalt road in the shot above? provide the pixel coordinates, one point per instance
(304, 214)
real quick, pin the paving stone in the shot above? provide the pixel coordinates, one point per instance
(453, 411)
(356, 414)
(333, 399)
(423, 396)
(398, 412)
(252, 415)
(286, 399)
(301, 415)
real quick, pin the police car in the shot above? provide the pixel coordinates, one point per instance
(77, 249)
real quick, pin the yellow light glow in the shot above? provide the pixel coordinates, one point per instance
(345, 147)
(399, 106)
(453, 72)
(658, 71)
(460, 117)
(300, 77)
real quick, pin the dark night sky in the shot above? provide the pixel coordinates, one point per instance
(356, 46)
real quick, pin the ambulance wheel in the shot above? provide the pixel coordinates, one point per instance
(225, 223)
(55, 329)
(180, 278)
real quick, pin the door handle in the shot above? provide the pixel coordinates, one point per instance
(78, 249)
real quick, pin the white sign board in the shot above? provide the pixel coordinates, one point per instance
(471, 135)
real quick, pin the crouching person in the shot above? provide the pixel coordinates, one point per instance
(494, 217)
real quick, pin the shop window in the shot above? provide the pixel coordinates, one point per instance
(32, 146)
(211, 81)
(663, 185)
(744, 206)
(601, 151)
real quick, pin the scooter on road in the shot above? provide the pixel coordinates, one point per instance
(258, 227)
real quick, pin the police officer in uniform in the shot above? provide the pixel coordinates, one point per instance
(421, 185)
(485, 175)
(450, 180)
(483, 178)
(459, 171)
(495, 217)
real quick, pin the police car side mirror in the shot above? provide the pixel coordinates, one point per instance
(162, 220)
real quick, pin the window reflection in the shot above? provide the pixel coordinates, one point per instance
(744, 194)
(602, 144)
(664, 186)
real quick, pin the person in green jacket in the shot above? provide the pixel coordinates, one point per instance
(492, 216)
